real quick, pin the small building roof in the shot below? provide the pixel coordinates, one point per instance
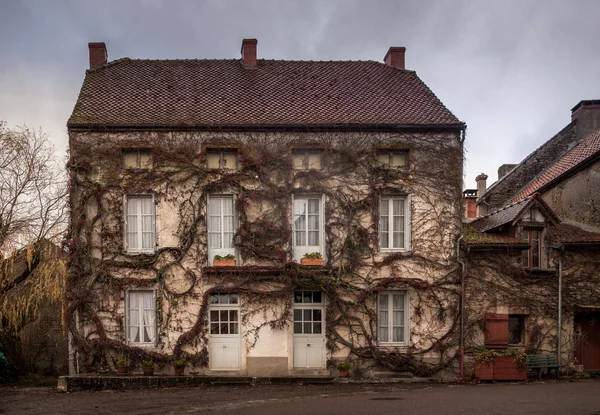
(567, 234)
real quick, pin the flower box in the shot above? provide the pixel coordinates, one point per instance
(223, 262)
(500, 368)
(311, 262)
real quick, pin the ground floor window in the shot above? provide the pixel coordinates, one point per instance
(516, 329)
(141, 316)
(393, 317)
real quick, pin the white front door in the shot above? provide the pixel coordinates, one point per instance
(308, 225)
(224, 332)
(309, 330)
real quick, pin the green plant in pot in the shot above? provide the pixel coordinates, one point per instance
(122, 367)
(312, 259)
(179, 365)
(148, 367)
(344, 369)
(224, 260)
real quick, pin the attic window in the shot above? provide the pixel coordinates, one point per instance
(221, 159)
(307, 159)
(532, 258)
(137, 158)
(394, 159)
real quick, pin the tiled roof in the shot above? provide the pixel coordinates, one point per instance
(511, 212)
(564, 233)
(472, 236)
(223, 93)
(575, 157)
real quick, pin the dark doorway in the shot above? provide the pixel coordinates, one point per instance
(587, 329)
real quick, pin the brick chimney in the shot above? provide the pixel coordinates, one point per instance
(481, 184)
(395, 57)
(98, 54)
(249, 53)
(587, 114)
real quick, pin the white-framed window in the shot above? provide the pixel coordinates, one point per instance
(137, 158)
(221, 159)
(394, 159)
(221, 225)
(306, 159)
(394, 223)
(308, 225)
(140, 223)
(532, 258)
(141, 316)
(392, 324)
(308, 312)
(224, 313)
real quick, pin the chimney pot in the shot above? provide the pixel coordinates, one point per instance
(395, 57)
(249, 53)
(481, 184)
(98, 54)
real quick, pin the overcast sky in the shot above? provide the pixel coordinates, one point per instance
(512, 70)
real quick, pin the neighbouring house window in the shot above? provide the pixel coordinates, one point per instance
(221, 225)
(137, 158)
(141, 316)
(140, 223)
(224, 313)
(308, 225)
(307, 159)
(532, 257)
(394, 159)
(221, 159)
(393, 223)
(516, 329)
(308, 312)
(393, 317)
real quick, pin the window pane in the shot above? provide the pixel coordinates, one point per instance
(316, 328)
(228, 240)
(134, 316)
(313, 206)
(224, 328)
(147, 240)
(297, 315)
(399, 223)
(145, 159)
(301, 238)
(134, 334)
(314, 161)
(307, 328)
(233, 298)
(212, 160)
(214, 224)
(298, 161)
(313, 238)
(383, 334)
(130, 159)
(398, 334)
(384, 207)
(398, 239)
(233, 315)
(316, 315)
(214, 298)
(214, 240)
(147, 223)
(132, 241)
(316, 296)
(398, 207)
(214, 328)
(132, 205)
(297, 296)
(227, 206)
(398, 160)
(383, 158)
(229, 160)
(299, 206)
(307, 315)
(398, 318)
(224, 315)
(383, 302)
(214, 206)
(306, 297)
(228, 223)
(300, 223)
(297, 328)
(313, 222)
(214, 315)
(233, 328)
(398, 301)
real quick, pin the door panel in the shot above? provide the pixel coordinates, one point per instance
(224, 338)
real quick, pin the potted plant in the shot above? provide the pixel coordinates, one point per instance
(148, 367)
(179, 365)
(344, 369)
(312, 259)
(224, 261)
(510, 364)
(122, 367)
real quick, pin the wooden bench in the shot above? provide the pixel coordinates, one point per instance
(543, 361)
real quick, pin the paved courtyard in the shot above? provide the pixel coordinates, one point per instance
(564, 398)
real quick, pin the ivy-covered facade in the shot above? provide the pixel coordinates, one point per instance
(175, 176)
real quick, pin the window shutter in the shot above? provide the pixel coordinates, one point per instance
(496, 330)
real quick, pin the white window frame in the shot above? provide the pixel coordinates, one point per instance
(221, 153)
(390, 321)
(128, 292)
(138, 152)
(220, 251)
(139, 219)
(305, 154)
(390, 216)
(299, 251)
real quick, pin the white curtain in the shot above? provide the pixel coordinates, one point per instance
(149, 317)
(142, 317)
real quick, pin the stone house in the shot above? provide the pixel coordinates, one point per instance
(549, 246)
(175, 164)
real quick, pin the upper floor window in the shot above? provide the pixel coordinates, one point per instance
(394, 226)
(137, 158)
(394, 159)
(393, 317)
(308, 225)
(532, 258)
(221, 159)
(221, 225)
(140, 223)
(307, 159)
(141, 316)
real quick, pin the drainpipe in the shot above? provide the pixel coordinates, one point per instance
(461, 344)
(559, 329)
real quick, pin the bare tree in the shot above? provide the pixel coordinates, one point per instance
(32, 189)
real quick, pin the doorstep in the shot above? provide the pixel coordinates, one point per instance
(104, 382)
